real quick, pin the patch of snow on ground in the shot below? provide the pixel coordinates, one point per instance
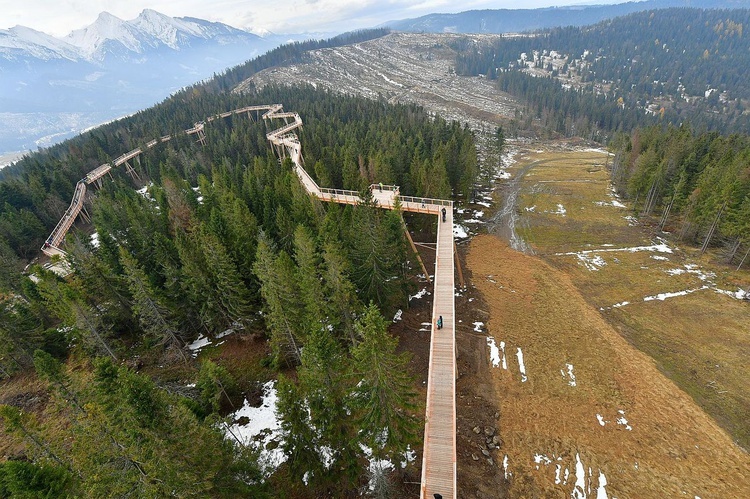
(460, 232)
(601, 492)
(530, 208)
(483, 203)
(426, 326)
(478, 326)
(659, 257)
(664, 296)
(198, 344)
(614, 203)
(505, 467)
(143, 191)
(740, 294)
(621, 304)
(420, 294)
(398, 315)
(503, 175)
(559, 211)
(95, 240)
(521, 365)
(658, 248)
(541, 459)
(579, 489)
(592, 263)
(570, 376)
(632, 221)
(558, 469)
(601, 420)
(263, 427)
(494, 352)
(622, 421)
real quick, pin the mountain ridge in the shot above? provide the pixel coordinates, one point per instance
(499, 21)
(110, 36)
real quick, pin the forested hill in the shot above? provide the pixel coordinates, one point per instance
(220, 239)
(36, 190)
(696, 184)
(674, 65)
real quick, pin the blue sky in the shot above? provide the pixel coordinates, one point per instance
(60, 17)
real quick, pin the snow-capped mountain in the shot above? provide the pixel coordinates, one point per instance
(51, 88)
(110, 36)
(21, 42)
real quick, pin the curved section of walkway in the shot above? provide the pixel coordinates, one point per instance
(52, 245)
(439, 454)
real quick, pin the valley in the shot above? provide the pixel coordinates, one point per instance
(615, 328)
(599, 352)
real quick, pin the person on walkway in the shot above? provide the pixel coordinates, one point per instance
(381, 186)
(443, 214)
(440, 322)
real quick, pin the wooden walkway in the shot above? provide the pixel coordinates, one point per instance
(439, 453)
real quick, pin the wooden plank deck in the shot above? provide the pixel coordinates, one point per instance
(439, 456)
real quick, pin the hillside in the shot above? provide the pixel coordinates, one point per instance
(675, 65)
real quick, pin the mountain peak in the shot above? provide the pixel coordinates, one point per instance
(107, 29)
(106, 17)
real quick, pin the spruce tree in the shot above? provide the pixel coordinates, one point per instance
(384, 400)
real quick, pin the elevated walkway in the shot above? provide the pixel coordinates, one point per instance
(439, 453)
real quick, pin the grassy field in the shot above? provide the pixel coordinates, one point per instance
(646, 330)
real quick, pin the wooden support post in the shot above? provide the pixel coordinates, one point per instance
(458, 266)
(414, 249)
(131, 171)
(85, 214)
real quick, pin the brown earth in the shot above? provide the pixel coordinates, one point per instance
(673, 449)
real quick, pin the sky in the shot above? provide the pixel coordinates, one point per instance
(60, 17)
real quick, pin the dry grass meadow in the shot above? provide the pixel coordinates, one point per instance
(661, 391)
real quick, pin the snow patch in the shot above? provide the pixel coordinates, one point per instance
(95, 240)
(398, 315)
(579, 489)
(494, 352)
(592, 263)
(420, 294)
(569, 376)
(601, 492)
(478, 326)
(664, 296)
(460, 232)
(262, 427)
(198, 344)
(521, 365)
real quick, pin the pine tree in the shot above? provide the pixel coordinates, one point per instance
(152, 314)
(384, 399)
(283, 310)
(323, 383)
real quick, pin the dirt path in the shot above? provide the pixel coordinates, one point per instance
(503, 223)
